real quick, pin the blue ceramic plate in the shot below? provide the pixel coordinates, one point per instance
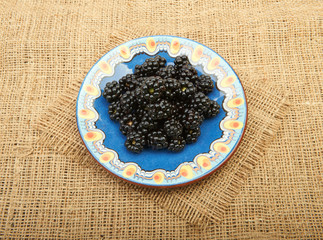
(219, 138)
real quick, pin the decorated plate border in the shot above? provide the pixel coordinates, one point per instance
(233, 125)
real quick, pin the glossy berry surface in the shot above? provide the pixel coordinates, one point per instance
(112, 91)
(176, 144)
(204, 84)
(135, 142)
(173, 128)
(157, 140)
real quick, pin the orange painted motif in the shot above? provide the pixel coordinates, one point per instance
(106, 157)
(204, 162)
(233, 124)
(228, 81)
(105, 67)
(186, 171)
(129, 171)
(91, 90)
(158, 177)
(213, 64)
(197, 53)
(175, 46)
(236, 102)
(124, 52)
(92, 136)
(151, 44)
(221, 147)
(86, 114)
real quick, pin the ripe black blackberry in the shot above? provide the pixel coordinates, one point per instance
(128, 123)
(180, 61)
(139, 71)
(115, 111)
(147, 124)
(181, 109)
(172, 87)
(192, 119)
(167, 72)
(181, 104)
(140, 80)
(160, 110)
(112, 91)
(191, 135)
(213, 110)
(187, 73)
(139, 113)
(152, 88)
(128, 82)
(135, 142)
(200, 102)
(176, 144)
(128, 102)
(173, 128)
(140, 100)
(161, 61)
(204, 84)
(157, 140)
(186, 90)
(151, 66)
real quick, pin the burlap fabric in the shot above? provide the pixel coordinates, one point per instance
(54, 189)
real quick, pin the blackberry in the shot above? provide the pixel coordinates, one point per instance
(135, 142)
(157, 140)
(181, 108)
(139, 113)
(200, 102)
(161, 61)
(128, 82)
(173, 128)
(139, 72)
(140, 80)
(176, 144)
(192, 119)
(167, 72)
(112, 91)
(128, 123)
(147, 124)
(213, 110)
(191, 135)
(186, 90)
(161, 110)
(128, 102)
(152, 88)
(139, 96)
(180, 61)
(204, 84)
(171, 88)
(151, 66)
(115, 111)
(181, 105)
(187, 73)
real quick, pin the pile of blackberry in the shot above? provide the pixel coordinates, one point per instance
(161, 106)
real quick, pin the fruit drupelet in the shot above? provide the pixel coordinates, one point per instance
(161, 106)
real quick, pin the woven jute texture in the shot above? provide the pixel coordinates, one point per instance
(51, 187)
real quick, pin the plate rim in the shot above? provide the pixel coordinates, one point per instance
(198, 178)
